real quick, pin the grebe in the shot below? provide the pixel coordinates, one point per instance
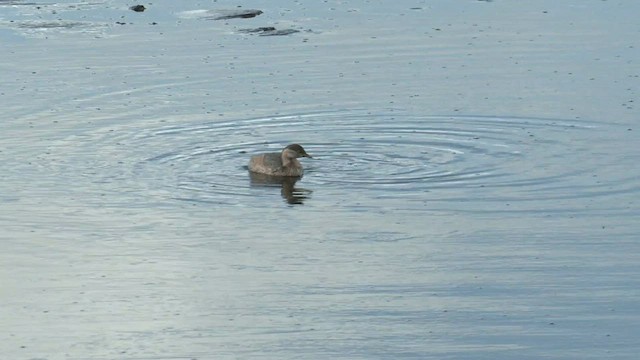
(284, 163)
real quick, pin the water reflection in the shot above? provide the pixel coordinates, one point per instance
(291, 194)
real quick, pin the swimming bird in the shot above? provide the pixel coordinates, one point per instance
(284, 163)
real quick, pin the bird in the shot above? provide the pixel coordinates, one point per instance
(284, 163)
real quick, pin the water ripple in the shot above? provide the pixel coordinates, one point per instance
(469, 163)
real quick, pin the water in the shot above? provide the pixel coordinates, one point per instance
(473, 193)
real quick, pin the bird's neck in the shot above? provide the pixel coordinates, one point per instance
(289, 158)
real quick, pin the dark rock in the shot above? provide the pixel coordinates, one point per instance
(138, 8)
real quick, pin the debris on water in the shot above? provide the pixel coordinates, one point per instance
(138, 8)
(268, 31)
(280, 32)
(235, 14)
(258, 29)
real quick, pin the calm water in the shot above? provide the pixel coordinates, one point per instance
(473, 194)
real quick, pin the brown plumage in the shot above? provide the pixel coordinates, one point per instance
(284, 163)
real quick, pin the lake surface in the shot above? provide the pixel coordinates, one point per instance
(474, 192)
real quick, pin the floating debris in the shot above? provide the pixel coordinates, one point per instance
(41, 28)
(234, 14)
(280, 32)
(269, 31)
(50, 24)
(220, 14)
(256, 30)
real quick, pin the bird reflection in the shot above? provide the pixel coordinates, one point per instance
(291, 194)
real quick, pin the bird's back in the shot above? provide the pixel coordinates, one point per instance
(270, 163)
